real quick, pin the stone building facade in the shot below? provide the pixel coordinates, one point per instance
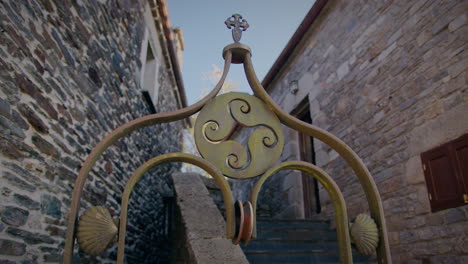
(71, 72)
(389, 78)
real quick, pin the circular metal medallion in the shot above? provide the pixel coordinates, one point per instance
(219, 122)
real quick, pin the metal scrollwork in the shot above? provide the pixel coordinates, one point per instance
(218, 120)
(215, 130)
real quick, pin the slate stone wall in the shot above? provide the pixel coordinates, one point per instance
(390, 79)
(70, 74)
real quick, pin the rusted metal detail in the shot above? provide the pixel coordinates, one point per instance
(119, 133)
(247, 230)
(238, 24)
(365, 179)
(244, 223)
(220, 117)
(97, 230)
(166, 158)
(341, 216)
(239, 214)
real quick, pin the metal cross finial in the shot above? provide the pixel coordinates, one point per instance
(237, 22)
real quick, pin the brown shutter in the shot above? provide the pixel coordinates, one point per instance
(446, 169)
(460, 147)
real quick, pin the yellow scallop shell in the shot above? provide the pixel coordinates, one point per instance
(364, 234)
(96, 230)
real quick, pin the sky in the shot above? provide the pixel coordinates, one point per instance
(272, 24)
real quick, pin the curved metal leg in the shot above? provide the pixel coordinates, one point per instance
(166, 158)
(339, 205)
(366, 180)
(114, 136)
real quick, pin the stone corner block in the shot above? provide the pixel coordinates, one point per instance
(200, 215)
(217, 251)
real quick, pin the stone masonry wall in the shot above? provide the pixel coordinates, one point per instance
(70, 74)
(390, 79)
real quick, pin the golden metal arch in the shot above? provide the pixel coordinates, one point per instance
(364, 177)
(240, 53)
(166, 158)
(341, 216)
(120, 132)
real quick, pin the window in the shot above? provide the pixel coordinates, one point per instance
(149, 76)
(150, 79)
(149, 102)
(446, 172)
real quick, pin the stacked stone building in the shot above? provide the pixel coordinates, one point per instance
(390, 79)
(70, 73)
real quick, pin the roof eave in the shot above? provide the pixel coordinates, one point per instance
(300, 33)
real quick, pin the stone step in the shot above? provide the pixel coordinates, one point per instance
(293, 224)
(276, 220)
(309, 256)
(290, 245)
(296, 234)
(295, 241)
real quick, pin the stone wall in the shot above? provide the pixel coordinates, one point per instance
(70, 74)
(390, 79)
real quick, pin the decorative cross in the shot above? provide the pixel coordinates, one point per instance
(237, 22)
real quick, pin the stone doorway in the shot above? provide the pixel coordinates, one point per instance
(310, 190)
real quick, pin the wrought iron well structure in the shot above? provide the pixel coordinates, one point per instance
(218, 117)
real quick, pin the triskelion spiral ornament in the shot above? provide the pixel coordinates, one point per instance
(217, 122)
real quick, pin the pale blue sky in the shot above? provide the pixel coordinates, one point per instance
(272, 24)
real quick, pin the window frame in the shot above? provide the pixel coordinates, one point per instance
(150, 91)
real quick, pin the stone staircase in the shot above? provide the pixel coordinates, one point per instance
(295, 241)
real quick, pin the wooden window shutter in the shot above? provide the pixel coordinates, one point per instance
(446, 170)
(460, 147)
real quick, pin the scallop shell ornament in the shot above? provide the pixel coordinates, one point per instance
(96, 230)
(364, 234)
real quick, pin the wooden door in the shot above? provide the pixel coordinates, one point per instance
(307, 153)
